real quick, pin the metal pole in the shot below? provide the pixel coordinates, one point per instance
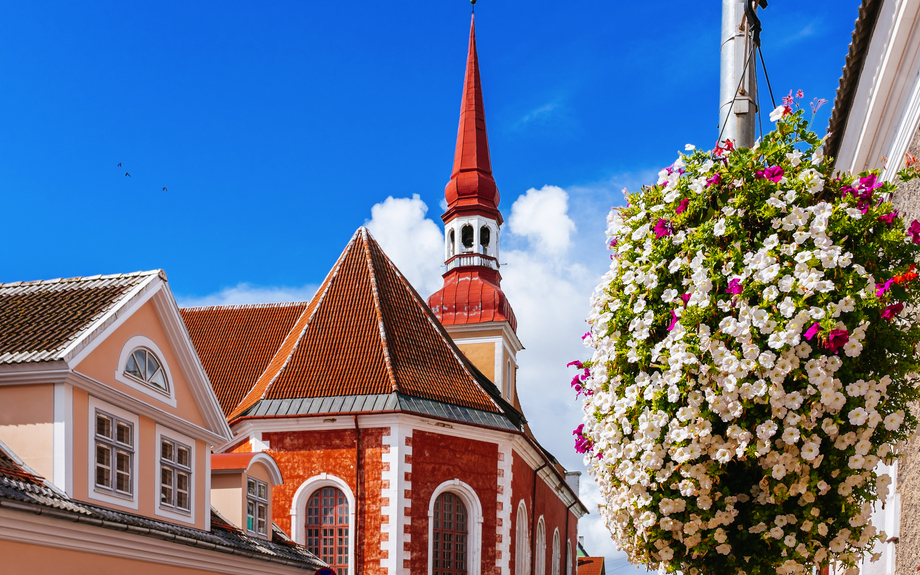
(737, 120)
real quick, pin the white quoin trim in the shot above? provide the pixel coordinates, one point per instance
(474, 522)
(299, 510)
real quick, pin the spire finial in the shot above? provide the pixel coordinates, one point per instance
(473, 5)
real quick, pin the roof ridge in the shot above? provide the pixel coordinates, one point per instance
(267, 305)
(77, 279)
(246, 403)
(378, 311)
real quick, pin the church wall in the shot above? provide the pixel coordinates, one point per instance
(438, 458)
(482, 355)
(522, 478)
(302, 455)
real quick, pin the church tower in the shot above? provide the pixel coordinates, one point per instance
(471, 305)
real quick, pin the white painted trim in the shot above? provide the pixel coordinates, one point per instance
(568, 557)
(62, 467)
(207, 491)
(522, 540)
(299, 510)
(505, 326)
(91, 492)
(158, 510)
(395, 511)
(474, 520)
(269, 462)
(557, 550)
(169, 396)
(54, 532)
(505, 477)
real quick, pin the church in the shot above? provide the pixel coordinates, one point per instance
(371, 429)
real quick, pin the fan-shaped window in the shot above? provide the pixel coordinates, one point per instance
(143, 365)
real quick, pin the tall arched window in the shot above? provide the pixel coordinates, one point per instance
(450, 534)
(541, 548)
(555, 568)
(521, 542)
(327, 527)
(568, 557)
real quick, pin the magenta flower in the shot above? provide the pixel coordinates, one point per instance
(682, 207)
(869, 183)
(848, 190)
(892, 310)
(685, 297)
(888, 218)
(663, 228)
(576, 363)
(881, 288)
(715, 180)
(734, 287)
(673, 320)
(812, 331)
(914, 231)
(837, 339)
(582, 443)
(773, 173)
(614, 242)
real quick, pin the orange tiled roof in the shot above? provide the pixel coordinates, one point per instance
(591, 566)
(236, 342)
(367, 331)
(40, 319)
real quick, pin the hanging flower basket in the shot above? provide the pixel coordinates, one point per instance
(754, 351)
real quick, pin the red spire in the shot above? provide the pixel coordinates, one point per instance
(472, 188)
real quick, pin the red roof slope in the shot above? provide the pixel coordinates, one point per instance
(365, 332)
(591, 566)
(472, 189)
(235, 343)
(471, 295)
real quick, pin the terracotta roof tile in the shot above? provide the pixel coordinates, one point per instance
(591, 566)
(471, 295)
(40, 319)
(367, 331)
(236, 343)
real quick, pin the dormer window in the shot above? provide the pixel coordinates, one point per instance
(144, 366)
(256, 506)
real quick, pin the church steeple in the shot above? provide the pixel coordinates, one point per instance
(471, 189)
(471, 305)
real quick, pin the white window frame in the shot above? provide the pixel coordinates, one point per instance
(521, 541)
(102, 494)
(299, 510)
(168, 397)
(170, 512)
(568, 557)
(474, 524)
(540, 550)
(556, 544)
(258, 501)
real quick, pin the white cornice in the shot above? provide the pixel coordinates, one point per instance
(505, 326)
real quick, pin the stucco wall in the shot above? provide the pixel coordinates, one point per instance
(27, 424)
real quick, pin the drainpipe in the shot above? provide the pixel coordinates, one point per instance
(533, 520)
(359, 497)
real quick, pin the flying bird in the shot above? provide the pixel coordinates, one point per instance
(164, 188)
(127, 174)
(119, 164)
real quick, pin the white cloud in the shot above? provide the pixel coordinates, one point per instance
(414, 242)
(243, 293)
(542, 217)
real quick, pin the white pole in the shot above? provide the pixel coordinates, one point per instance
(736, 121)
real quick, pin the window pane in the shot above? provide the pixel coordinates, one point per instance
(182, 481)
(182, 501)
(103, 477)
(263, 491)
(123, 482)
(166, 451)
(251, 487)
(124, 433)
(159, 380)
(123, 461)
(250, 515)
(132, 368)
(183, 454)
(103, 426)
(152, 365)
(166, 476)
(141, 360)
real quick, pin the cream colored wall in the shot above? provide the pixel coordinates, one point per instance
(101, 363)
(27, 424)
(227, 496)
(482, 355)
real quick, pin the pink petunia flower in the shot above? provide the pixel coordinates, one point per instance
(837, 339)
(888, 218)
(881, 288)
(663, 228)
(914, 231)
(682, 207)
(673, 320)
(734, 287)
(892, 310)
(714, 180)
(812, 331)
(773, 173)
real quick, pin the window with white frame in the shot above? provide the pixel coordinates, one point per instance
(568, 557)
(540, 559)
(555, 568)
(144, 366)
(175, 475)
(521, 542)
(114, 454)
(256, 506)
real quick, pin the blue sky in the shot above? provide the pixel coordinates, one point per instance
(278, 127)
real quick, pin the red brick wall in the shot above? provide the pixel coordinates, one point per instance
(521, 488)
(305, 454)
(437, 458)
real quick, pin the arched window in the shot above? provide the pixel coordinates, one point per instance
(568, 557)
(328, 528)
(521, 542)
(450, 531)
(466, 237)
(145, 366)
(555, 568)
(485, 238)
(451, 243)
(508, 375)
(541, 548)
